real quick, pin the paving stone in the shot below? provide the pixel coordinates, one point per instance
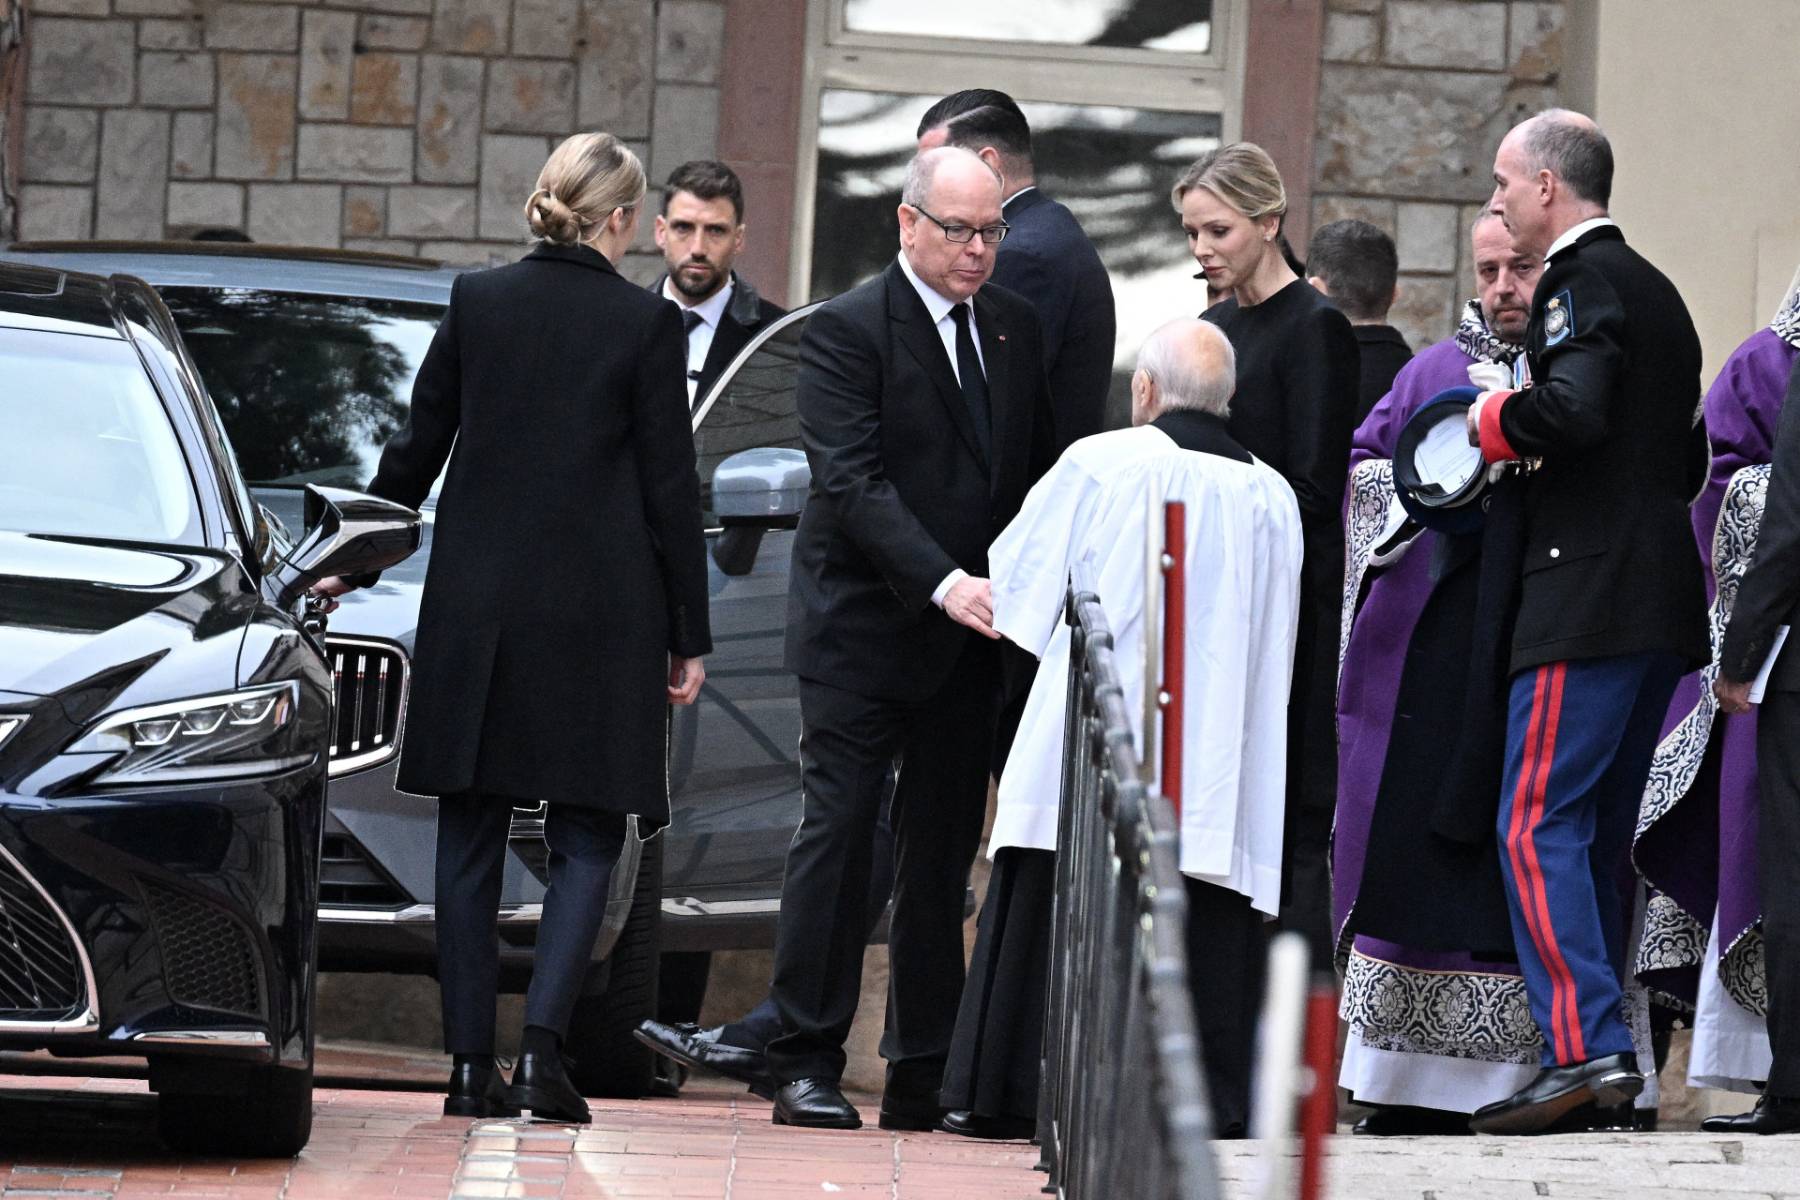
(327, 50)
(1446, 33)
(380, 31)
(134, 171)
(73, 61)
(70, 8)
(176, 79)
(412, 7)
(469, 26)
(191, 146)
(615, 52)
(1534, 41)
(687, 127)
(1424, 135)
(167, 33)
(1426, 237)
(62, 145)
(530, 96)
(449, 125)
(355, 153)
(52, 212)
(295, 214)
(1380, 213)
(365, 212)
(254, 138)
(690, 40)
(384, 89)
(253, 27)
(509, 169)
(156, 8)
(1352, 37)
(206, 205)
(422, 211)
(545, 28)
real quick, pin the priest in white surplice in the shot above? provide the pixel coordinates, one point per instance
(1243, 571)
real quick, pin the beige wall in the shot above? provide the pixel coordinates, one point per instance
(1699, 102)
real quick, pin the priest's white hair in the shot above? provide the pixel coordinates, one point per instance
(1193, 365)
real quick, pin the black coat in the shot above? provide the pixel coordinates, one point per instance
(1769, 595)
(1609, 563)
(1383, 352)
(901, 493)
(567, 560)
(1047, 259)
(744, 317)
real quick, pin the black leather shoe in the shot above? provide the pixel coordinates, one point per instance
(1603, 1082)
(910, 1111)
(700, 1049)
(541, 1086)
(666, 1078)
(477, 1090)
(996, 1129)
(1404, 1120)
(815, 1104)
(1772, 1114)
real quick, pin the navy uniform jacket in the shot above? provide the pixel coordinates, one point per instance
(1610, 565)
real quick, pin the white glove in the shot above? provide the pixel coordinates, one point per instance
(1490, 376)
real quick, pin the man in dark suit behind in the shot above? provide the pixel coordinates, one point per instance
(1611, 607)
(700, 232)
(1356, 266)
(925, 416)
(1046, 257)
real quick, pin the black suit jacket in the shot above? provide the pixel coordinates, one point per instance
(743, 318)
(1383, 352)
(1047, 259)
(901, 492)
(1610, 566)
(1769, 595)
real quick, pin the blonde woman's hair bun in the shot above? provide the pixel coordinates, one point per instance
(586, 179)
(551, 219)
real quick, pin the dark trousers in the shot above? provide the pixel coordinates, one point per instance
(471, 856)
(1580, 736)
(1226, 950)
(847, 744)
(1778, 879)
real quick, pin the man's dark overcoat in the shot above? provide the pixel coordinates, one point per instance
(567, 560)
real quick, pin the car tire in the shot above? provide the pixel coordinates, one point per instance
(610, 1062)
(255, 1112)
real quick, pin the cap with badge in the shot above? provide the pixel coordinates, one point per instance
(1438, 477)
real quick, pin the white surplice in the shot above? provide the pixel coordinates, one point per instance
(1243, 580)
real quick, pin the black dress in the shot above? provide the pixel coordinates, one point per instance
(1297, 381)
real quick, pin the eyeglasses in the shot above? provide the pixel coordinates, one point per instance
(961, 234)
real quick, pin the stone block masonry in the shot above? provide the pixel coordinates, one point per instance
(409, 126)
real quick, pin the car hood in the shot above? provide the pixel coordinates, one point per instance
(86, 621)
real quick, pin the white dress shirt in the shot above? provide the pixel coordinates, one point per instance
(700, 341)
(939, 306)
(1574, 233)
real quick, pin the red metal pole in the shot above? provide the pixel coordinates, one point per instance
(1318, 1111)
(1174, 647)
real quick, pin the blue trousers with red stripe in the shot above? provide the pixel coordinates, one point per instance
(1580, 736)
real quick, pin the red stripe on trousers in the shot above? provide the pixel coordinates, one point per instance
(1562, 979)
(1515, 836)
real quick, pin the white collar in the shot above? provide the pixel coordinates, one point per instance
(711, 308)
(1016, 195)
(1574, 233)
(937, 304)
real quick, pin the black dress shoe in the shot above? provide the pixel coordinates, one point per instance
(666, 1078)
(910, 1112)
(477, 1090)
(541, 1086)
(1404, 1120)
(700, 1049)
(1772, 1114)
(815, 1104)
(1556, 1091)
(997, 1129)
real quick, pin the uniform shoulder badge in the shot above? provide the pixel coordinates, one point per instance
(1559, 318)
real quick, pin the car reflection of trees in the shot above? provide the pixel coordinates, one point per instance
(303, 382)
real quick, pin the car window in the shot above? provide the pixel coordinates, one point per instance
(89, 448)
(310, 388)
(751, 408)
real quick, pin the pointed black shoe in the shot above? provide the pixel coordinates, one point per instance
(996, 1129)
(1404, 1120)
(909, 1112)
(1535, 1107)
(541, 1086)
(1772, 1114)
(477, 1090)
(701, 1050)
(815, 1104)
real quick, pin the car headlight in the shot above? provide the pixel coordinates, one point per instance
(236, 735)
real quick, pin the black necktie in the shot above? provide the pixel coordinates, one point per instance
(974, 383)
(689, 319)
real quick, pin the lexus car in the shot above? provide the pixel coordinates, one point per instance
(165, 718)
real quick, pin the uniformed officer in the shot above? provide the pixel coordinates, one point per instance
(1611, 607)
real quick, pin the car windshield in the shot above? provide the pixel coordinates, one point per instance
(310, 387)
(86, 447)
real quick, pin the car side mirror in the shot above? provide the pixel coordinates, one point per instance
(754, 491)
(347, 533)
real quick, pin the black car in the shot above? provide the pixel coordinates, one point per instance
(165, 719)
(310, 356)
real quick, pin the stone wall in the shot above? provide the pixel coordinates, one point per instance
(1414, 96)
(415, 126)
(12, 20)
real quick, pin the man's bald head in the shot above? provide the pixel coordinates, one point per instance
(947, 167)
(1187, 363)
(1551, 173)
(1572, 146)
(949, 191)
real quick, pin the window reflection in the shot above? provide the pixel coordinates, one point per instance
(1180, 25)
(1112, 166)
(755, 409)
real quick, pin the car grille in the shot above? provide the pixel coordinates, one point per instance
(209, 959)
(369, 693)
(40, 969)
(348, 877)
